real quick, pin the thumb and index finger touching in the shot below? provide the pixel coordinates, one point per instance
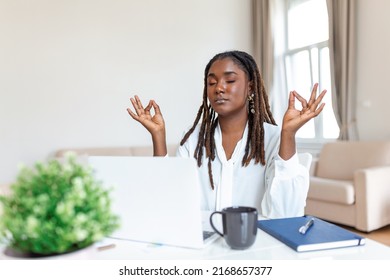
(140, 109)
(313, 102)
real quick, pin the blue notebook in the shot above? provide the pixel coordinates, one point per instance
(319, 236)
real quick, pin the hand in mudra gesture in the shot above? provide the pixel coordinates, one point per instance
(153, 123)
(294, 119)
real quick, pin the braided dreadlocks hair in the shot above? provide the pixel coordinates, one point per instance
(254, 148)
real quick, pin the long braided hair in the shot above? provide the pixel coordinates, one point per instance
(254, 148)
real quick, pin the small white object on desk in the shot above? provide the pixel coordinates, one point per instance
(303, 229)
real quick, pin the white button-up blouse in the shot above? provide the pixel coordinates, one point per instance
(278, 189)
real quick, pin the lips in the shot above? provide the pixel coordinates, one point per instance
(220, 100)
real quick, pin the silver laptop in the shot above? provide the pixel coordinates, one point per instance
(157, 199)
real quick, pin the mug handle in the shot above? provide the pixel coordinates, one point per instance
(211, 222)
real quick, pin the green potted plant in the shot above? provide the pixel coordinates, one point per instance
(54, 208)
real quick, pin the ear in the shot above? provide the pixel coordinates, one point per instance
(250, 87)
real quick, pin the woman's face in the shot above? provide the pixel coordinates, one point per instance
(227, 88)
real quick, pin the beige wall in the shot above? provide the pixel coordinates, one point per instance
(373, 75)
(68, 67)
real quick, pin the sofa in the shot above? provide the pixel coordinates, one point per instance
(115, 151)
(350, 184)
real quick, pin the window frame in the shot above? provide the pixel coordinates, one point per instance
(314, 144)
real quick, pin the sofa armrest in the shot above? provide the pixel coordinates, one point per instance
(313, 167)
(372, 197)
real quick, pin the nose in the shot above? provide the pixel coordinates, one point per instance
(220, 88)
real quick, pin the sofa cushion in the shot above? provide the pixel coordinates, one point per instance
(339, 160)
(334, 191)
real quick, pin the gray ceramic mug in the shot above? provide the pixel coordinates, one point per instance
(239, 226)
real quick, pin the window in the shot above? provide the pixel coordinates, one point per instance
(306, 61)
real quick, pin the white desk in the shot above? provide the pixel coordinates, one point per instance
(265, 248)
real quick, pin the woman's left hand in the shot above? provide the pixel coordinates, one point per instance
(294, 119)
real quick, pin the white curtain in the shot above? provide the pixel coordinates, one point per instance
(342, 50)
(267, 22)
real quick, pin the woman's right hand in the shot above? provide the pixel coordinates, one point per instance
(153, 123)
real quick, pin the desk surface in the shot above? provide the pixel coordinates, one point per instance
(266, 247)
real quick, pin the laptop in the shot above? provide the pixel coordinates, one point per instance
(156, 198)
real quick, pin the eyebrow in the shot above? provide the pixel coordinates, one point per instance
(227, 73)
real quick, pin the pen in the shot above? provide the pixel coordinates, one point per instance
(105, 247)
(303, 229)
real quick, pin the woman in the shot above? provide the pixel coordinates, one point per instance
(243, 157)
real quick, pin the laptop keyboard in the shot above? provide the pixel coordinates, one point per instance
(207, 234)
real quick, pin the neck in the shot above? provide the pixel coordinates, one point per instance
(232, 130)
(232, 124)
